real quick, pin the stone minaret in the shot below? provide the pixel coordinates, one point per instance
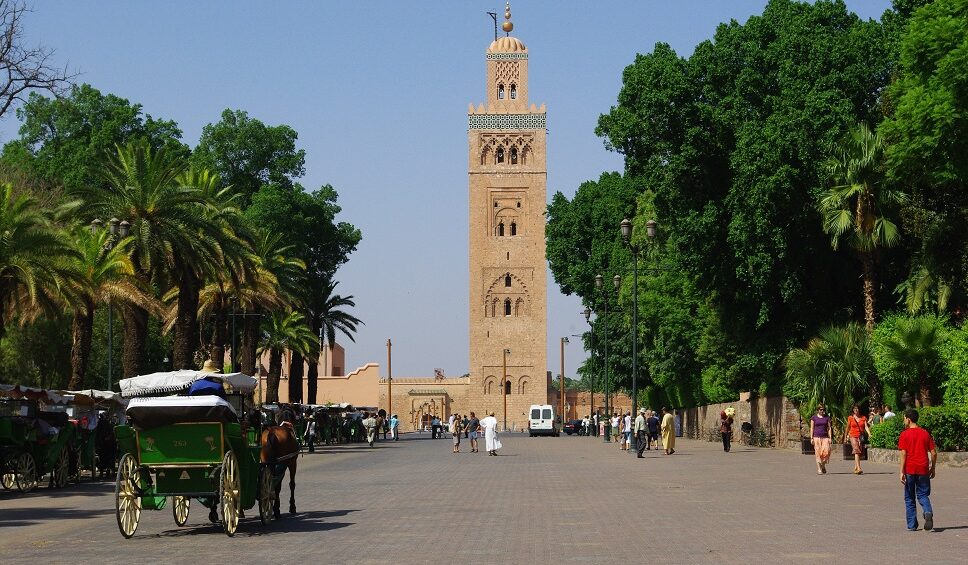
(507, 176)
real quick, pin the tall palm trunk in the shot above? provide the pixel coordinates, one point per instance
(312, 382)
(864, 219)
(186, 322)
(82, 329)
(250, 343)
(219, 331)
(296, 378)
(135, 336)
(924, 389)
(275, 371)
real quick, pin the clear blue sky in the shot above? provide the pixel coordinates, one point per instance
(378, 92)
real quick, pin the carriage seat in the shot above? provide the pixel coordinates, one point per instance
(145, 413)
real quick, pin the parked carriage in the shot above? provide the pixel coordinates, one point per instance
(35, 438)
(180, 448)
(94, 449)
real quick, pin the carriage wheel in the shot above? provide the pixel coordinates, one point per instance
(61, 471)
(25, 472)
(267, 495)
(180, 505)
(230, 493)
(7, 481)
(126, 497)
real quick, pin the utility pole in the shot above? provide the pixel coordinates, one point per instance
(564, 340)
(389, 379)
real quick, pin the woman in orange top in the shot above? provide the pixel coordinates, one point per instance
(856, 423)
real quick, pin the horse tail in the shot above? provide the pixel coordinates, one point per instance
(273, 446)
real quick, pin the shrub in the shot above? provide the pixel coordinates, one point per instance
(955, 355)
(947, 424)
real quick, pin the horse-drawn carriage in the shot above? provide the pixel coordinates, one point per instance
(94, 449)
(35, 438)
(193, 447)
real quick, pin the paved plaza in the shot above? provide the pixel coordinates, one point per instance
(544, 500)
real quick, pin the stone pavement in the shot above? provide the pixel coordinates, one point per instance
(544, 500)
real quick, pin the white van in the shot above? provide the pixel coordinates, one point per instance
(541, 421)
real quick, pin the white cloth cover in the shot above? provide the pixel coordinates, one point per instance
(177, 381)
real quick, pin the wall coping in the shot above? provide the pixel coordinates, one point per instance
(948, 459)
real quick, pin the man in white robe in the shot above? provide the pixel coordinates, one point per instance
(491, 442)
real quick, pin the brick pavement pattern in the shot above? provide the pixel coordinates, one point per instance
(544, 500)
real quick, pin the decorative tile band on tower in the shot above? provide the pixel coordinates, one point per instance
(507, 121)
(506, 56)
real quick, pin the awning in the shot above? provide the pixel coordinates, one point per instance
(179, 381)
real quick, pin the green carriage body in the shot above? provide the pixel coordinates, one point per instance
(184, 459)
(26, 454)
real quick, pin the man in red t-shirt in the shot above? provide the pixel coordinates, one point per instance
(914, 445)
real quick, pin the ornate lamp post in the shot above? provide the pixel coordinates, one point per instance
(119, 230)
(650, 229)
(564, 342)
(588, 320)
(600, 285)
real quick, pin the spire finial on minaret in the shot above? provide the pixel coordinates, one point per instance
(507, 26)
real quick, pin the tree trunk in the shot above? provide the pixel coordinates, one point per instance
(217, 351)
(82, 329)
(275, 369)
(186, 324)
(250, 343)
(924, 391)
(312, 382)
(135, 336)
(867, 259)
(295, 378)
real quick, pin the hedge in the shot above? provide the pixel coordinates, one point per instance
(947, 424)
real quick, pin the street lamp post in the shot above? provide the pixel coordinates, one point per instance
(389, 376)
(591, 400)
(117, 228)
(626, 227)
(504, 388)
(564, 341)
(600, 285)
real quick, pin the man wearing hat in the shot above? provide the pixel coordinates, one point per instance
(641, 439)
(208, 385)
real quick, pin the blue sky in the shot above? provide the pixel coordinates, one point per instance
(378, 92)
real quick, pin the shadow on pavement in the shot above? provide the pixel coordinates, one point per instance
(43, 491)
(936, 529)
(11, 517)
(251, 527)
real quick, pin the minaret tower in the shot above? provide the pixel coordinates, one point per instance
(507, 177)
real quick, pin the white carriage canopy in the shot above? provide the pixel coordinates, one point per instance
(173, 382)
(147, 413)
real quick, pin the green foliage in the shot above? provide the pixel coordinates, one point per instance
(948, 426)
(954, 352)
(65, 140)
(907, 351)
(885, 434)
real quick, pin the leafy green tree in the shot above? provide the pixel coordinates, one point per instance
(248, 154)
(35, 258)
(65, 140)
(283, 331)
(830, 370)
(909, 352)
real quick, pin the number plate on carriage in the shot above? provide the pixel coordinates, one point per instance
(182, 443)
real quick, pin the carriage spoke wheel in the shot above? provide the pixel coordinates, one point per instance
(126, 496)
(7, 481)
(267, 495)
(180, 505)
(25, 473)
(230, 493)
(61, 471)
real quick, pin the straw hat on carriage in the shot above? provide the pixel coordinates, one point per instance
(210, 367)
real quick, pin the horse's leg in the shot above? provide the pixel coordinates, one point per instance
(277, 485)
(292, 486)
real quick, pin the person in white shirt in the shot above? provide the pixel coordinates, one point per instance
(491, 441)
(627, 430)
(887, 412)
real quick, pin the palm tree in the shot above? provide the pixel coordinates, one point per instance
(272, 285)
(104, 273)
(172, 242)
(915, 349)
(35, 258)
(326, 313)
(856, 208)
(281, 332)
(830, 369)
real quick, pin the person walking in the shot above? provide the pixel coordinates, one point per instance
(668, 431)
(821, 435)
(310, 436)
(856, 427)
(641, 433)
(914, 446)
(652, 422)
(616, 423)
(725, 429)
(464, 423)
(369, 424)
(395, 427)
(473, 429)
(435, 428)
(491, 441)
(627, 431)
(456, 427)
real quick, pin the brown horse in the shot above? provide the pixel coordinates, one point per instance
(280, 451)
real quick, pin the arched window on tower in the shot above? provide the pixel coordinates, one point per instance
(507, 387)
(519, 307)
(494, 308)
(514, 91)
(500, 229)
(507, 306)
(500, 154)
(514, 228)
(514, 155)
(507, 278)
(500, 92)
